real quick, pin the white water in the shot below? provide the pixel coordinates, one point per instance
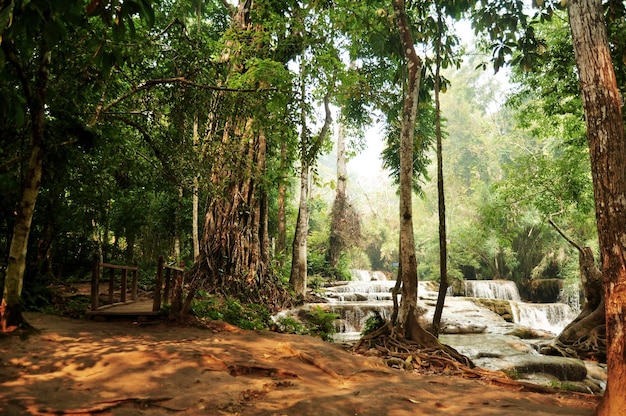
(367, 275)
(492, 289)
(551, 317)
(355, 301)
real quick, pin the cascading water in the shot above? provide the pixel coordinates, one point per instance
(478, 332)
(551, 317)
(492, 289)
(369, 291)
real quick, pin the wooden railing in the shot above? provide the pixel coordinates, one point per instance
(169, 284)
(123, 285)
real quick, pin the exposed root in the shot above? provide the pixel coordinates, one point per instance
(399, 351)
(590, 346)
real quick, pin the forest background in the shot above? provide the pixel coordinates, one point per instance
(129, 188)
(159, 109)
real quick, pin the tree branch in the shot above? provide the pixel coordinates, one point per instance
(569, 240)
(181, 80)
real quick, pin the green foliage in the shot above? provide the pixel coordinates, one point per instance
(563, 385)
(513, 374)
(316, 282)
(373, 323)
(291, 325)
(322, 323)
(230, 310)
(317, 245)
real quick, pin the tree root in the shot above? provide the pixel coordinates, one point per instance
(590, 346)
(393, 346)
(410, 355)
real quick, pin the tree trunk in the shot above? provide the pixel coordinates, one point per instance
(408, 260)
(232, 260)
(584, 337)
(309, 149)
(16, 267)
(177, 222)
(443, 247)
(195, 236)
(36, 99)
(281, 240)
(337, 243)
(605, 134)
(298, 276)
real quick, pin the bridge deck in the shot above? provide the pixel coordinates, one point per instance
(133, 308)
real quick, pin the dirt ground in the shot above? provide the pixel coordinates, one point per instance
(128, 368)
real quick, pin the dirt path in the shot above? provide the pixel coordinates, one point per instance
(125, 368)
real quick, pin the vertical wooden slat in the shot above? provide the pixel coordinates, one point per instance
(156, 306)
(133, 288)
(168, 280)
(124, 285)
(111, 284)
(95, 282)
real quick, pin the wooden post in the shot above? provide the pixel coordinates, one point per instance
(95, 282)
(123, 285)
(156, 306)
(133, 287)
(177, 294)
(111, 284)
(168, 280)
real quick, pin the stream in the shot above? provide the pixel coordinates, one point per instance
(473, 329)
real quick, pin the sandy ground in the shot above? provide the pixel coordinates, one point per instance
(129, 368)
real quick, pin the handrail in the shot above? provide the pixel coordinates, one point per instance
(95, 282)
(173, 275)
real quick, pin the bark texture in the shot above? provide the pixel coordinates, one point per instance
(234, 249)
(605, 133)
(407, 272)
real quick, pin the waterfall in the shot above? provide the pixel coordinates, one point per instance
(551, 317)
(359, 275)
(352, 317)
(570, 295)
(492, 289)
(361, 291)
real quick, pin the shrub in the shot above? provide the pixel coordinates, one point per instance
(230, 310)
(322, 323)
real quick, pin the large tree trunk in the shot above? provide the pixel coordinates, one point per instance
(298, 276)
(605, 133)
(36, 98)
(233, 257)
(408, 261)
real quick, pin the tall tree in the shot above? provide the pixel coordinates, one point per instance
(441, 200)
(407, 272)
(605, 135)
(607, 145)
(234, 250)
(309, 151)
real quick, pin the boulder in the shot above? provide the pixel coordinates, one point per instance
(565, 369)
(499, 306)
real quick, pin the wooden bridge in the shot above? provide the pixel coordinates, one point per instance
(120, 297)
